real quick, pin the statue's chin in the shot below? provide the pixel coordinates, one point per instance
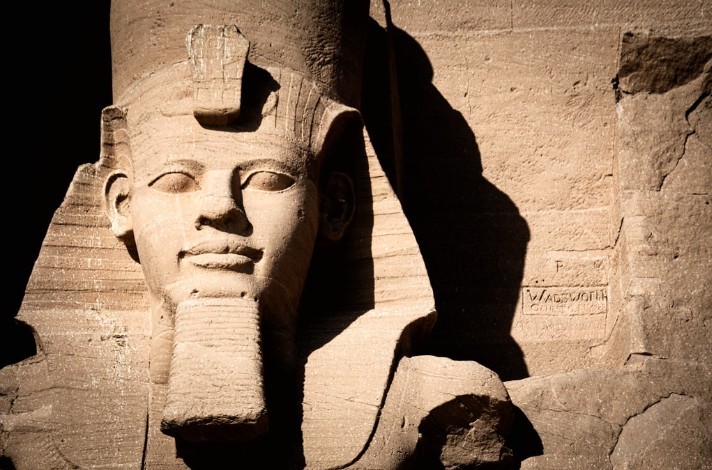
(277, 307)
(215, 284)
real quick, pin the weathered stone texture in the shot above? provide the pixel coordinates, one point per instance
(449, 16)
(593, 120)
(667, 15)
(455, 16)
(532, 106)
(93, 330)
(653, 414)
(665, 177)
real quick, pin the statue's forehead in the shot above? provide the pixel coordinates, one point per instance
(158, 140)
(159, 134)
(283, 117)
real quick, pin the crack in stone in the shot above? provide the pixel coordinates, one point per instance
(144, 451)
(664, 176)
(579, 413)
(691, 132)
(695, 105)
(618, 233)
(63, 457)
(639, 413)
(511, 15)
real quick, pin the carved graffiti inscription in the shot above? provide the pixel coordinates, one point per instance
(564, 300)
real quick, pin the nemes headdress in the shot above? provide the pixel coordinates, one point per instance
(217, 85)
(294, 65)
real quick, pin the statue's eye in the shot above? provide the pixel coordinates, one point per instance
(174, 182)
(267, 181)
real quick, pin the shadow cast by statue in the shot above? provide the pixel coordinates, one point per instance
(470, 233)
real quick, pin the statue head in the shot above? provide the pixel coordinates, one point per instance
(223, 181)
(227, 203)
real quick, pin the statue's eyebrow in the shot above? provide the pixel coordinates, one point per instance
(185, 164)
(294, 167)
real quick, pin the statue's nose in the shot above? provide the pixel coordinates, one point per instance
(221, 203)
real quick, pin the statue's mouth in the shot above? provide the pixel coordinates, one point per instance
(227, 254)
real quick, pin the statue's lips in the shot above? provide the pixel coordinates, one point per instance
(222, 254)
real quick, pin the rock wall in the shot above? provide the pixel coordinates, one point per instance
(556, 173)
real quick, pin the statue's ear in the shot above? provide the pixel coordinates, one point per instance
(340, 145)
(338, 205)
(117, 186)
(117, 196)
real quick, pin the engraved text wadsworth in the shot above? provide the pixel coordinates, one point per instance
(564, 300)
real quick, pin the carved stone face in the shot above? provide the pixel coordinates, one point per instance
(221, 213)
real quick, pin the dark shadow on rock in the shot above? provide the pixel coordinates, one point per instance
(523, 440)
(459, 413)
(17, 340)
(470, 233)
(231, 455)
(340, 285)
(6, 463)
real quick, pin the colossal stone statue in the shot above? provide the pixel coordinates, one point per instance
(234, 280)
